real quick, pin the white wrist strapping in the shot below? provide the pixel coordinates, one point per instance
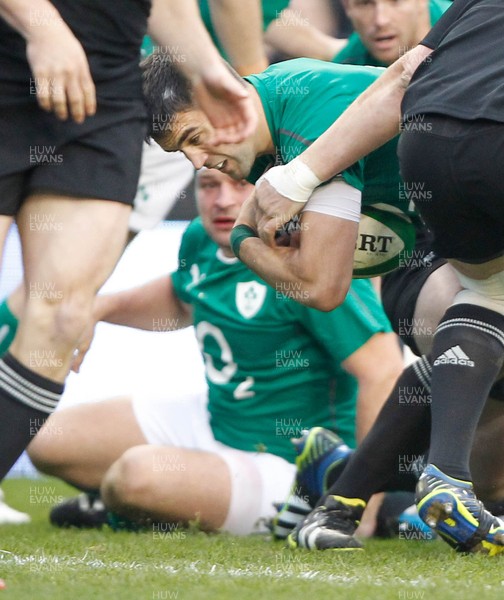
(294, 180)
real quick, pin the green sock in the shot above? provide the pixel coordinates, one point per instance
(118, 523)
(8, 327)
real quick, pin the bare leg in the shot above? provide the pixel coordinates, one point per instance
(5, 223)
(16, 300)
(80, 443)
(64, 269)
(169, 484)
(436, 296)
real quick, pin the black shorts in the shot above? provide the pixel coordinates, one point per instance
(99, 158)
(400, 288)
(454, 171)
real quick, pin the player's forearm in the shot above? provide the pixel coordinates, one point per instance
(287, 271)
(240, 31)
(30, 17)
(177, 27)
(153, 306)
(20, 14)
(296, 37)
(368, 123)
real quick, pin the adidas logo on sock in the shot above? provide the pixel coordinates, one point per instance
(454, 356)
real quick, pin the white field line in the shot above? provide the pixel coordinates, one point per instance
(40, 562)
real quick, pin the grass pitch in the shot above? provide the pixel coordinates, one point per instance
(38, 561)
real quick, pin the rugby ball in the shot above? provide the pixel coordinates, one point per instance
(384, 240)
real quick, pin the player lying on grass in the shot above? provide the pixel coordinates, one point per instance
(271, 366)
(466, 220)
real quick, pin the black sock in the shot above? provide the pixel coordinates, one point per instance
(26, 400)
(468, 354)
(393, 505)
(399, 436)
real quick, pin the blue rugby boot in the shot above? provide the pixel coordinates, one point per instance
(322, 455)
(451, 508)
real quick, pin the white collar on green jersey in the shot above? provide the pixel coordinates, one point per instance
(227, 260)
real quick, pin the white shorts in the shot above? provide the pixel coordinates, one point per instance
(163, 178)
(258, 479)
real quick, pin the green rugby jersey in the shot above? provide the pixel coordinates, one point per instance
(301, 99)
(273, 366)
(271, 10)
(355, 53)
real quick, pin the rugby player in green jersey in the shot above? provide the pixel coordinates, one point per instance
(273, 367)
(386, 29)
(295, 101)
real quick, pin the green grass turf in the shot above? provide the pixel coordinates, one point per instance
(38, 561)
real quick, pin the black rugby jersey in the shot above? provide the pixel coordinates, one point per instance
(111, 34)
(464, 76)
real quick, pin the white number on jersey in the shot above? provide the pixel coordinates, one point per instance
(224, 375)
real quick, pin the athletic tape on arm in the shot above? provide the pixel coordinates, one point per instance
(295, 180)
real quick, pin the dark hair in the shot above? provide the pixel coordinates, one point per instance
(167, 92)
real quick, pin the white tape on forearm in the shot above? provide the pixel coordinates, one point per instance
(295, 180)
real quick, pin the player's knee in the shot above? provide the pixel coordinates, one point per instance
(63, 314)
(488, 293)
(72, 318)
(128, 480)
(46, 454)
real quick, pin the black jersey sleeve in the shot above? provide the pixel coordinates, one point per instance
(438, 32)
